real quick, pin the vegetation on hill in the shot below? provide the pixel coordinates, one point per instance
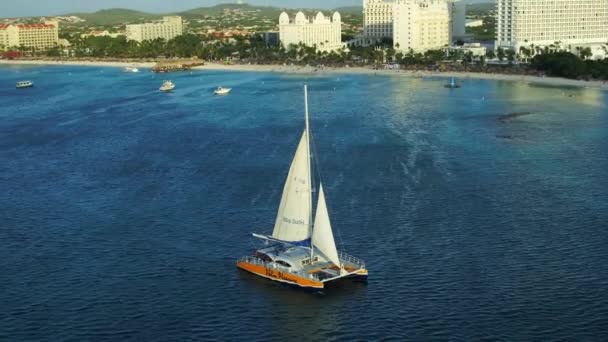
(226, 8)
(115, 16)
(485, 12)
(480, 8)
(239, 14)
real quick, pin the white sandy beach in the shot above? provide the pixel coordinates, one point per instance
(556, 81)
(77, 63)
(296, 69)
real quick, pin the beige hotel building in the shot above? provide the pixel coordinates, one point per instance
(33, 36)
(167, 29)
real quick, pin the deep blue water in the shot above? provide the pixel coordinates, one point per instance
(123, 210)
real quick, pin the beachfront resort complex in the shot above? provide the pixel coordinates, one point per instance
(419, 25)
(541, 23)
(322, 32)
(525, 27)
(34, 36)
(167, 29)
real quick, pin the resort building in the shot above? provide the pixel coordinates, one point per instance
(378, 18)
(105, 33)
(565, 24)
(3, 37)
(416, 20)
(421, 25)
(475, 49)
(323, 32)
(474, 22)
(167, 29)
(32, 36)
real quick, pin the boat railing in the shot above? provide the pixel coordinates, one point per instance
(275, 266)
(345, 258)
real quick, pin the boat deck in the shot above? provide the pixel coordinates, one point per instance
(322, 271)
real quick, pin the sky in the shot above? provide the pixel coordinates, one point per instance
(23, 8)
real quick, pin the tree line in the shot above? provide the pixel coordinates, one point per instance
(253, 49)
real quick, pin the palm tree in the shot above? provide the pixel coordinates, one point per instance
(527, 53)
(490, 54)
(500, 53)
(510, 56)
(585, 53)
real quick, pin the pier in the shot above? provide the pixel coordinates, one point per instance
(177, 65)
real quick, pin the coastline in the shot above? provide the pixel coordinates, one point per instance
(310, 70)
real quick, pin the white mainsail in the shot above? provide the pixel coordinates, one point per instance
(322, 236)
(293, 218)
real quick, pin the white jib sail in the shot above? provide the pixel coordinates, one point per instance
(322, 236)
(293, 218)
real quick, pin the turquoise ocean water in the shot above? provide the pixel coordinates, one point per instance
(123, 210)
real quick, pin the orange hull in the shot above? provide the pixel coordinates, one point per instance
(280, 276)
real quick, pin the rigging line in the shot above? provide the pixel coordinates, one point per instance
(317, 169)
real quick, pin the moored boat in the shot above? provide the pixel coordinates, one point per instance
(452, 84)
(24, 84)
(222, 91)
(131, 69)
(302, 252)
(167, 86)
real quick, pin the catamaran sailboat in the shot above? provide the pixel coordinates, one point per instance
(298, 252)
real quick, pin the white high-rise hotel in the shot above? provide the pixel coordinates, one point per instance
(323, 32)
(378, 18)
(168, 29)
(543, 22)
(419, 25)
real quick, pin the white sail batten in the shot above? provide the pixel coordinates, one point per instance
(323, 237)
(294, 216)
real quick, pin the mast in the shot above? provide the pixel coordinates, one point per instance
(309, 166)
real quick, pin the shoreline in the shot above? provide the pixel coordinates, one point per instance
(310, 70)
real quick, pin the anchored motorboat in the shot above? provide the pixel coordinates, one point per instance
(299, 252)
(24, 84)
(167, 86)
(222, 91)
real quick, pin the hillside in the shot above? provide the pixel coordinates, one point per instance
(115, 16)
(227, 8)
(481, 7)
(243, 12)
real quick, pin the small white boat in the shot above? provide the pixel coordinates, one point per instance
(222, 91)
(167, 86)
(131, 69)
(24, 84)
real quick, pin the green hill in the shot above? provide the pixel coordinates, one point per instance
(481, 7)
(222, 8)
(116, 16)
(242, 12)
